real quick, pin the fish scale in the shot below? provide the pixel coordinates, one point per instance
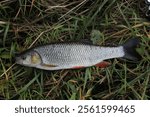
(68, 53)
(76, 55)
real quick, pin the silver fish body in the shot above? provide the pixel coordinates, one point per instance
(66, 56)
(70, 55)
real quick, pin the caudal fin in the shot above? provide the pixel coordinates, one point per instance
(130, 49)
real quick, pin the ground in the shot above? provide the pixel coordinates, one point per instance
(28, 23)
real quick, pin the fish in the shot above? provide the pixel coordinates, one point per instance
(76, 55)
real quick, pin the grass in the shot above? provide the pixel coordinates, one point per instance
(36, 22)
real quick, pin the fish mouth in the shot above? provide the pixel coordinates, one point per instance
(18, 60)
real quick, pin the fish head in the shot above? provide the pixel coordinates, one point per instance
(29, 58)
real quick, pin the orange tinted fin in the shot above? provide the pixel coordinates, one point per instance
(49, 65)
(103, 64)
(77, 67)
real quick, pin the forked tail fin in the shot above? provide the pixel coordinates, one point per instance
(130, 49)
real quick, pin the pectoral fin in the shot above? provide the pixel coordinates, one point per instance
(48, 65)
(103, 64)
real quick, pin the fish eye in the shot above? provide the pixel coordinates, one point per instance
(24, 57)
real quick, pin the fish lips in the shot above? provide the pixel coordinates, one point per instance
(18, 60)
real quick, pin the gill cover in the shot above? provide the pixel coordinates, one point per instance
(35, 58)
